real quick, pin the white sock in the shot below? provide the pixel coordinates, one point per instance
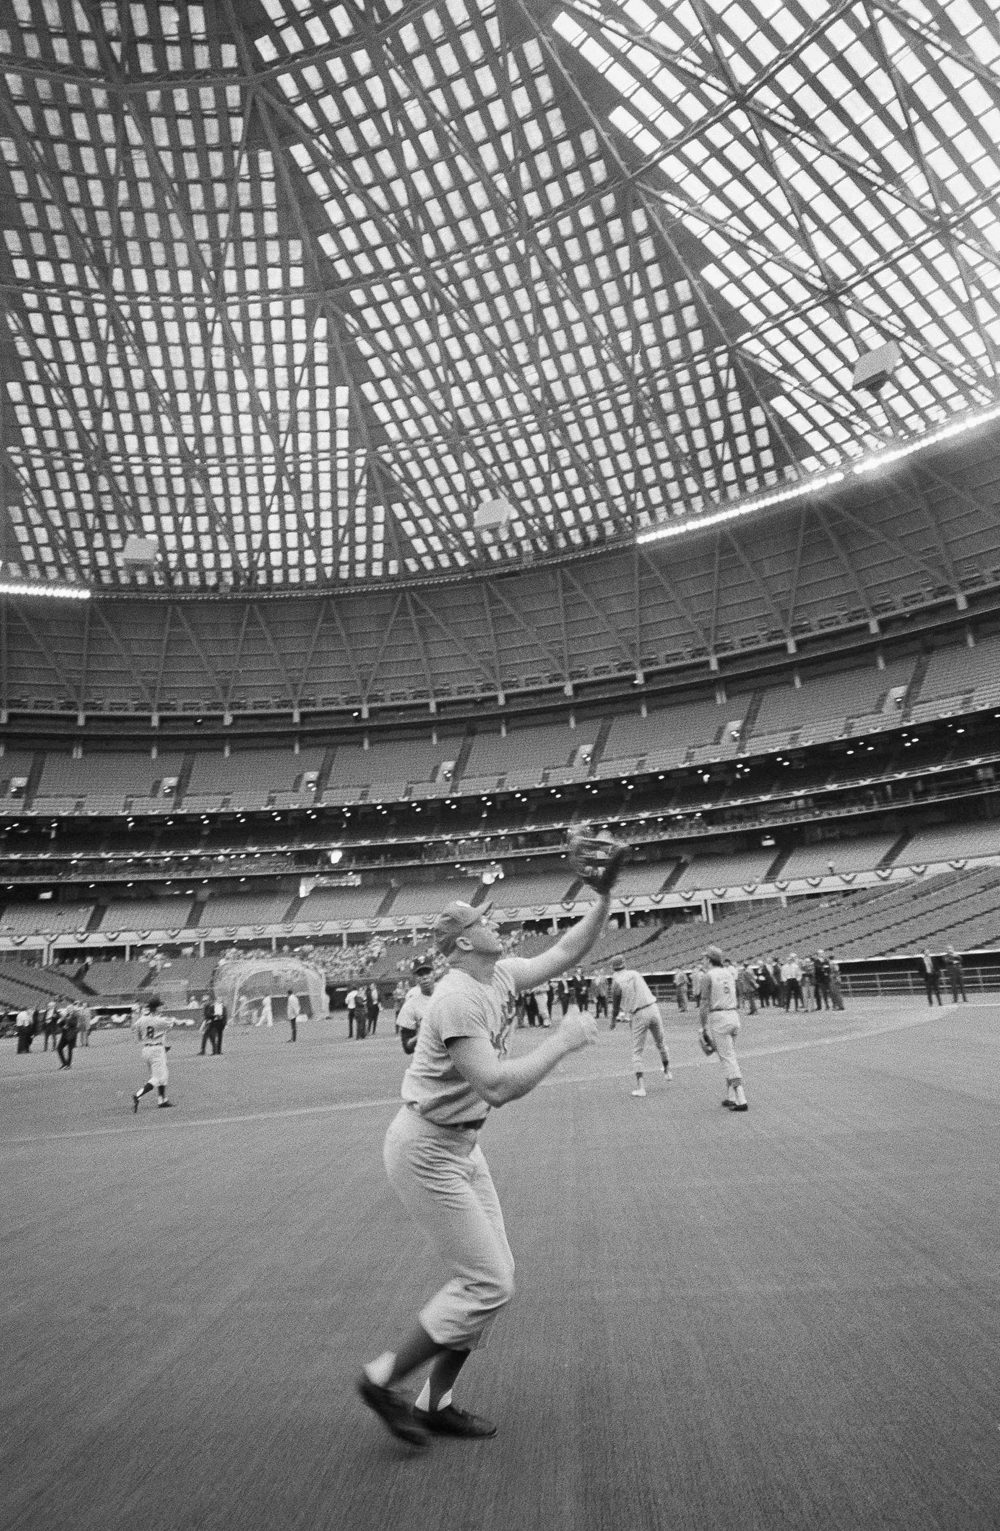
(380, 1371)
(741, 1098)
(424, 1400)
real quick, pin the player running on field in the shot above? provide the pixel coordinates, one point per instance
(151, 1028)
(718, 1010)
(458, 1072)
(632, 998)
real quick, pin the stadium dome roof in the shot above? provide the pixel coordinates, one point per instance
(293, 288)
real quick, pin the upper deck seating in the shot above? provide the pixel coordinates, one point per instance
(822, 706)
(249, 778)
(340, 904)
(707, 872)
(238, 909)
(103, 781)
(951, 842)
(530, 891)
(146, 914)
(860, 855)
(44, 918)
(665, 736)
(429, 898)
(524, 756)
(391, 760)
(643, 881)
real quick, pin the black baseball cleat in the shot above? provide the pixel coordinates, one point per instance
(739, 1106)
(728, 1105)
(164, 1104)
(452, 1421)
(396, 1414)
(135, 1104)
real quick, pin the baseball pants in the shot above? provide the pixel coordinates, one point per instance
(441, 1176)
(156, 1058)
(722, 1028)
(646, 1023)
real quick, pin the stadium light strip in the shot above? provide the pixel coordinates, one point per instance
(870, 465)
(52, 592)
(745, 508)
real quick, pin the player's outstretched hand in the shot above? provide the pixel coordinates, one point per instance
(578, 1031)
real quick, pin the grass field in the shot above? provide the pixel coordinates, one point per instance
(787, 1319)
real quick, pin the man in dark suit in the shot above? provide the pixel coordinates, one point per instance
(216, 1016)
(931, 976)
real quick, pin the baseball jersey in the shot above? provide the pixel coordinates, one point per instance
(461, 1006)
(414, 1009)
(151, 1030)
(633, 990)
(718, 985)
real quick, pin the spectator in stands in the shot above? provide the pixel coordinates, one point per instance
(836, 987)
(69, 1027)
(374, 1006)
(414, 1006)
(293, 1010)
(955, 975)
(822, 972)
(931, 976)
(25, 1029)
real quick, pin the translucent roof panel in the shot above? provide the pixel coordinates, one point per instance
(291, 289)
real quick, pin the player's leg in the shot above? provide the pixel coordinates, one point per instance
(450, 1194)
(159, 1077)
(723, 1032)
(656, 1031)
(638, 1047)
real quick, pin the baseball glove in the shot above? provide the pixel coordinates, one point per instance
(598, 859)
(705, 1042)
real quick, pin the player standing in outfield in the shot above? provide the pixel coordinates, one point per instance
(631, 996)
(151, 1028)
(719, 1016)
(414, 1007)
(459, 1071)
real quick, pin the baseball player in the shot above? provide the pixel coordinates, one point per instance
(459, 1071)
(632, 996)
(414, 1007)
(151, 1029)
(719, 1016)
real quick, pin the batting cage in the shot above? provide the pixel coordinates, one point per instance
(246, 984)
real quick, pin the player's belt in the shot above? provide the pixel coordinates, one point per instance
(451, 1126)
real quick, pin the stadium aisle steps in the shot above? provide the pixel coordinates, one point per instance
(895, 850)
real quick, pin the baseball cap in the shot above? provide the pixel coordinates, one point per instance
(454, 919)
(617, 963)
(421, 967)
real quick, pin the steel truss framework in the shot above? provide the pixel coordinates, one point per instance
(928, 536)
(291, 287)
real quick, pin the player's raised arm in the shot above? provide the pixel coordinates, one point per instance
(598, 861)
(498, 1080)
